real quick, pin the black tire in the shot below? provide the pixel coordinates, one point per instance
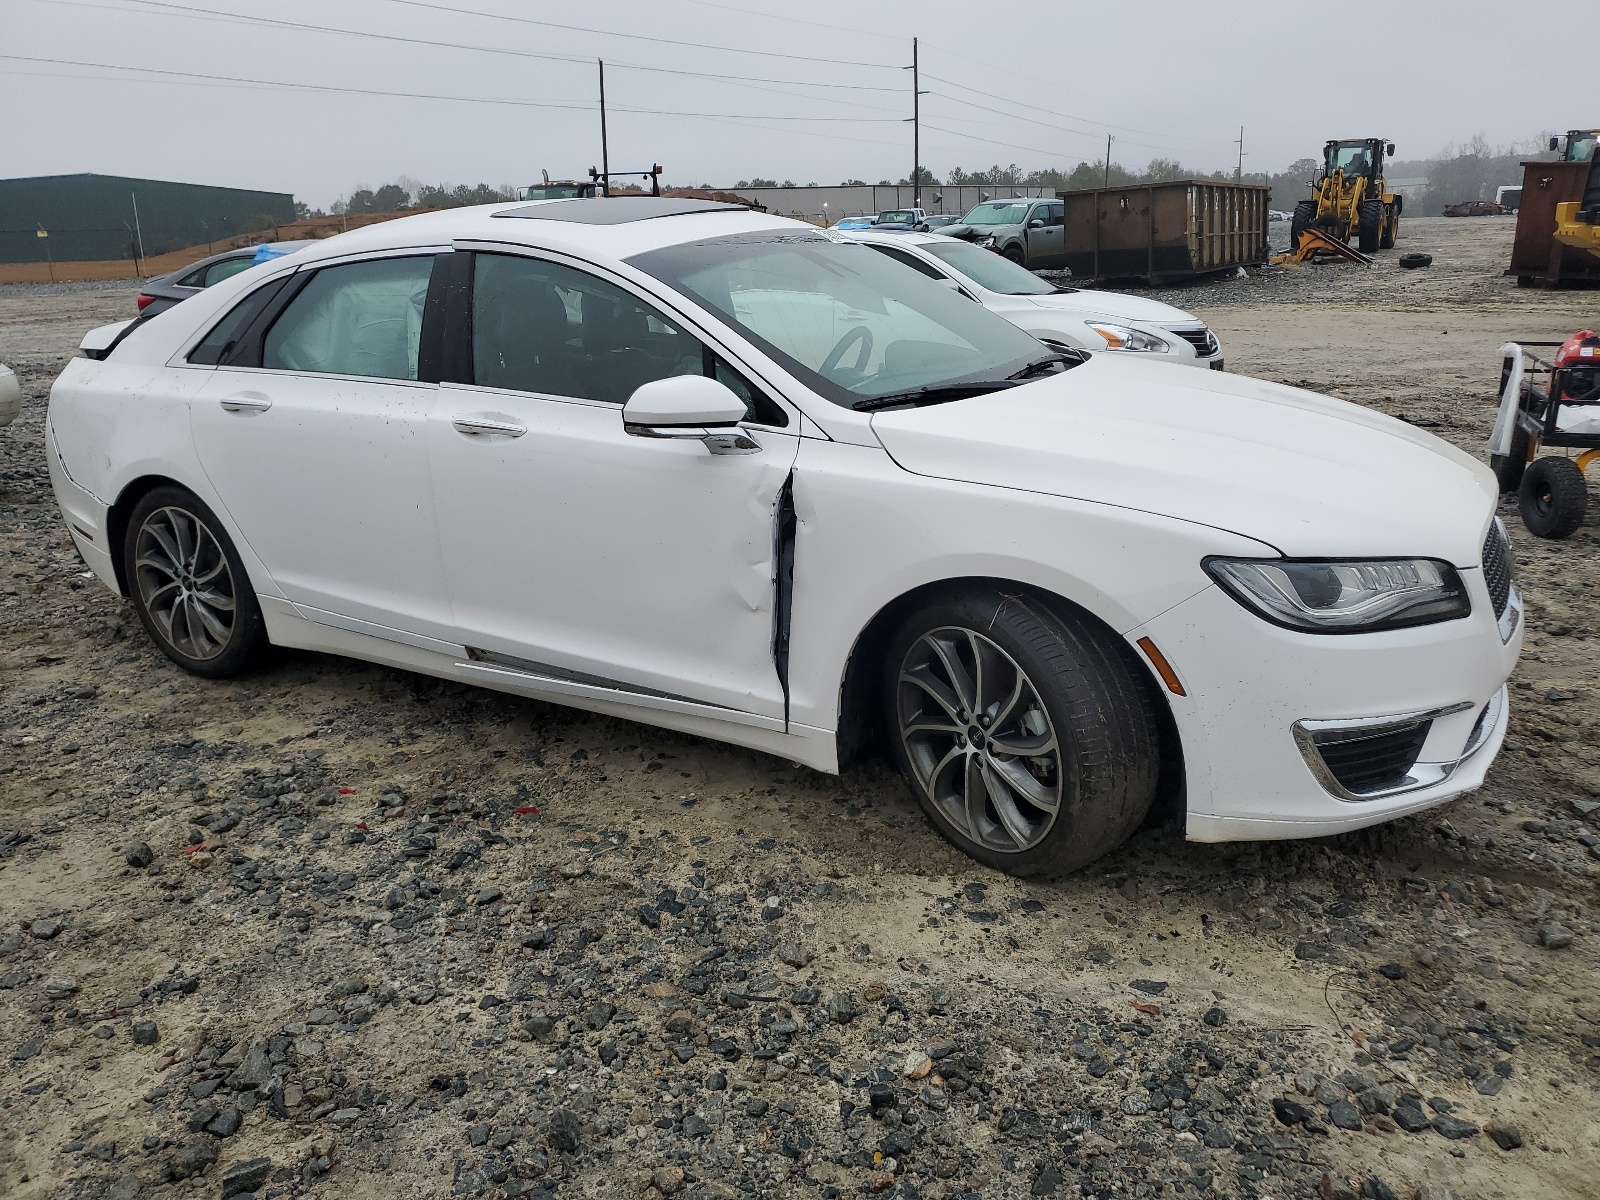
(1369, 215)
(1015, 254)
(208, 572)
(1391, 227)
(1553, 498)
(1305, 213)
(1063, 687)
(1510, 468)
(1412, 261)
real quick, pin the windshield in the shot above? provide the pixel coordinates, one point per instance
(989, 270)
(1353, 158)
(1580, 145)
(900, 216)
(850, 323)
(999, 212)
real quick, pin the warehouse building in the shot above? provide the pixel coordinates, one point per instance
(85, 218)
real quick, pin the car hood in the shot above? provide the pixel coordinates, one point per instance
(1116, 305)
(1307, 474)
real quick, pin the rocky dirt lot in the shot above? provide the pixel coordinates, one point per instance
(336, 930)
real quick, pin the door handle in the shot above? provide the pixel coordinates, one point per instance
(246, 402)
(485, 427)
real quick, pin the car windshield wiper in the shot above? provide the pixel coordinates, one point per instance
(934, 394)
(1066, 357)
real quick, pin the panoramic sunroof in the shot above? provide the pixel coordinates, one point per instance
(616, 210)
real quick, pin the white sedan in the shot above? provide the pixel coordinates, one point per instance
(722, 472)
(10, 395)
(1065, 316)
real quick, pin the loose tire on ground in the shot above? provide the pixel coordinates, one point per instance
(1305, 213)
(1510, 468)
(188, 585)
(1553, 498)
(1369, 215)
(1412, 261)
(1029, 738)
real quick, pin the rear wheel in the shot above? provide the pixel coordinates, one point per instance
(1305, 213)
(1029, 739)
(1510, 468)
(1391, 227)
(1553, 498)
(189, 587)
(1370, 217)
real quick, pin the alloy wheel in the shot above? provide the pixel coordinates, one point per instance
(185, 583)
(980, 742)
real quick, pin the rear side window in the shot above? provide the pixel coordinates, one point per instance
(217, 344)
(910, 260)
(227, 269)
(360, 319)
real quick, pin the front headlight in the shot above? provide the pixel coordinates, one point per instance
(988, 243)
(1344, 597)
(1124, 337)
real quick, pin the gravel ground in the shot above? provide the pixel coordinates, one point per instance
(340, 930)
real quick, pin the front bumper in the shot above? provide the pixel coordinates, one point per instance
(1260, 697)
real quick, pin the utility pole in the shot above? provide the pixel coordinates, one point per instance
(137, 233)
(605, 150)
(1239, 172)
(916, 131)
(1107, 181)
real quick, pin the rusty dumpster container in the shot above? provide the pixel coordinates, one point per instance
(1165, 232)
(1537, 259)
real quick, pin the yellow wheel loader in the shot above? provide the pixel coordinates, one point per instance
(1352, 202)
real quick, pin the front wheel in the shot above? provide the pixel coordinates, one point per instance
(1305, 215)
(1015, 254)
(1369, 218)
(189, 587)
(1553, 498)
(1029, 739)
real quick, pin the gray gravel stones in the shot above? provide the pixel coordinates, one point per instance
(1410, 1118)
(1555, 936)
(45, 928)
(144, 1033)
(1453, 1128)
(1504, 1134)
(245, 1177)
(192, 1159)
(139, 855)
(1290, 1112)
(1345, 1115)
(564, 1133)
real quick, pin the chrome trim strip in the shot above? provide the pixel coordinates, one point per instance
(1422, 774)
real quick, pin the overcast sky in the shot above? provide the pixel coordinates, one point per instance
(825, 99)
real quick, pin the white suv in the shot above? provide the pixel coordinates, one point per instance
(1064, 316)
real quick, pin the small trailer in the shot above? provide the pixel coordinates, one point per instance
(1165, 232)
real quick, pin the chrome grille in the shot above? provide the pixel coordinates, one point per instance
(1498, 569)
(1204, 342)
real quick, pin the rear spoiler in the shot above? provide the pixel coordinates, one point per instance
(99, 343)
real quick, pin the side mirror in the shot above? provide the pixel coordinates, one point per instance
(689, 406)
(1389, 150)
(1036, 223)
(1555, 143)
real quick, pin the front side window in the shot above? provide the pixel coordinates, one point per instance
(848, 322)
(999, 212)
(358, 319)
(543, 327)
(990, 271)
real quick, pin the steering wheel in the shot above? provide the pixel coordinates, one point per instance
(858, 333)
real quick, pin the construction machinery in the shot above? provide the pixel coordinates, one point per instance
(1548, 402)
(1557, 241)
(1352, 203)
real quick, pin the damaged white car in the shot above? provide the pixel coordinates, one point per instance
(722, 472)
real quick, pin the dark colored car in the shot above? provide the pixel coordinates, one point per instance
(164, 291)
(1027, 231)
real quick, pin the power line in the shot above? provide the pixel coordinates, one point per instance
(166, 8)
(639, 37)
(321, 87)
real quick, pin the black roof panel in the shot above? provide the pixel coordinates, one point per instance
(617, 210)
